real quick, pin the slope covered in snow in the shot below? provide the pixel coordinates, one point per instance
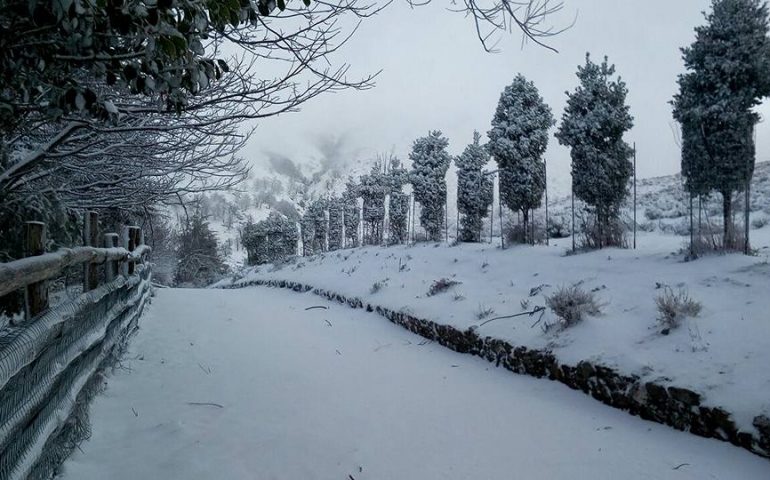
(248, 384)
(723, 353)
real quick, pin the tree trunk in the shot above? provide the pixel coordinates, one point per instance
(525, 225)
(727, 218)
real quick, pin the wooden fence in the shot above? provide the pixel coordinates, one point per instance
(52, 358)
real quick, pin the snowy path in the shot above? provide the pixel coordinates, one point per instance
(360, 399)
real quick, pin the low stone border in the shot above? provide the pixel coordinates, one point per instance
(677, 407)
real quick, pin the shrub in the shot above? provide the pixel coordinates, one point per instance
(572, 303)
(484, 312)
(673, 307)
(377, 286)
(441, 286)
(760, 222)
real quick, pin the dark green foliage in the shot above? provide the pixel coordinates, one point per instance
(518, 140)
(47, 47)
(336, 211)
(728, 74)
(593, 125)
(352, 213)
(199, 261)
(373, 188)
(430, 162)
(398, 213)
(474, 189)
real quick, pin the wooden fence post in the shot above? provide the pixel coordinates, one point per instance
(90, 239)
(36, 294)
(125, 240)
(133, 238)
(111, 267)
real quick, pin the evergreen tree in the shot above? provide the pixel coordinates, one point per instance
(307, 227)
(430, 162)
(373, 188)
(336, 208)
(398, 207)
(518, 139)
(199, 261)
(352, 213)
(593, 125)
(728, 73)
(474, 189)
(398, 213)
(317, 212)
(271, 240)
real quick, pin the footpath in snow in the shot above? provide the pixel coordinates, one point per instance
(248, 384)
(723, 354)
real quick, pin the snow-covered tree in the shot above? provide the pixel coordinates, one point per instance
(270, 240)
(336, 209)
(517, 141)
(373, 188)
(307, 228)
(317, 213)
(398, 214)
(474, 189)
(592, 126)
(728, 74)
(352, 213)
(430, 162)
(199, 261)
(398, 206)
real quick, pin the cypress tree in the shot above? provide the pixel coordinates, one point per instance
(430, 162)
(592, 126)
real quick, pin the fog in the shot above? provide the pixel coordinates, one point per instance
(436, 75)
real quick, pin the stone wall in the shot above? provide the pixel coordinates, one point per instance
(677, 407)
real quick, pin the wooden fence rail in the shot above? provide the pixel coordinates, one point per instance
(52, 361)
(39, 266)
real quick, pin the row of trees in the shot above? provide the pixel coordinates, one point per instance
(592, 126)
(728, 74)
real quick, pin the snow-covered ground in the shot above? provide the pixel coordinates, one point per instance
(723, 354)
(247, 384)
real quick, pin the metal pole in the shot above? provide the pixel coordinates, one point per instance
(635, 196)
(414, 214)
(500, 201)
(692, 246)
(446, 218)
(545, 167)
(572, 194)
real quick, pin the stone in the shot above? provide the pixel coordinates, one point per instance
(685, 396)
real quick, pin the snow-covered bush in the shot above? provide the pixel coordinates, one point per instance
(593, 124)
(474, 189)
(674, 307)
(517, 141)
(441, 285)
(430, 162)
(760, 222)
(559, 226)
(571, 304)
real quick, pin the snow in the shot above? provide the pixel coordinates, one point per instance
(360, 399)
(722, 354)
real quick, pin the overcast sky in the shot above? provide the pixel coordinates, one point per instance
(436, 75)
